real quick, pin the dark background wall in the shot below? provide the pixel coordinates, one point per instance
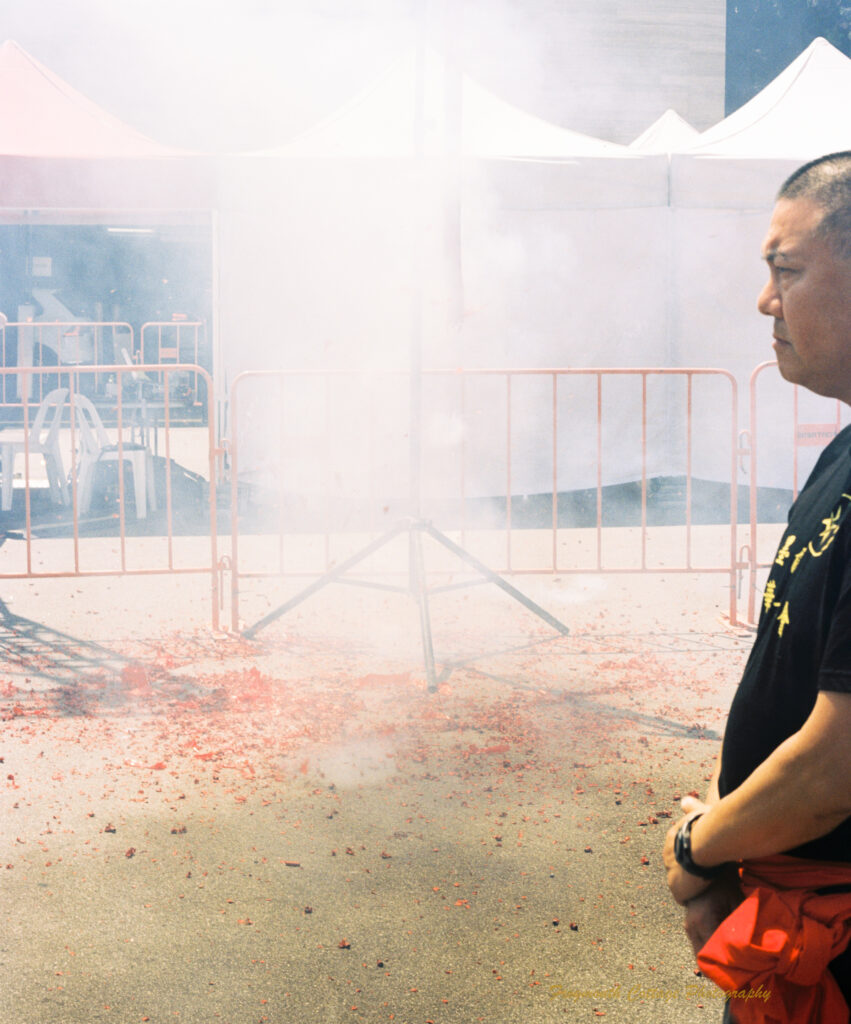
(763, 36)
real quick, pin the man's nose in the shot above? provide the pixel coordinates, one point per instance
(768, 302)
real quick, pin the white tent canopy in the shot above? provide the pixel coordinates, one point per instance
(383, 120)
(669, 133)
(513, 220)
(802, 113)
(422, 108)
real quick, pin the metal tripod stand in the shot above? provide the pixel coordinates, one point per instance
(416, 587)
(416, 527)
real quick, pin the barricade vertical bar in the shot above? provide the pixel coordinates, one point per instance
(120, 470)
(644, 470)
(39, 377)
(98, 353)
(371, 453)
(734, 497)
(216, 596)
(555, 471)
(417, 586)
(508, 471)
(75, 505)
(196, 349)
(689, 464)
(326, 526)
(599, 470)
(234, 508)
(27, 509)
(169, 518)
(463, 382)
(282, 449)
(753, 495)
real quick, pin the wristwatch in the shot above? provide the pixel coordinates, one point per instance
(682, 852)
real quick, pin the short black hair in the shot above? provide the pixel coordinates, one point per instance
(827, 183)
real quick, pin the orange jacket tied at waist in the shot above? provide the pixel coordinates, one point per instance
(795, 918)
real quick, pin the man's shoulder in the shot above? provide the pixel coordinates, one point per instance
(828, 486)
(840, 446)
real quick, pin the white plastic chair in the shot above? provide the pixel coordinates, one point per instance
(96, 447)
(41, 439)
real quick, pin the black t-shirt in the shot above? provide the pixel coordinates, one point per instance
(803, 642)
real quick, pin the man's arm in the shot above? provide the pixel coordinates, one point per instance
(712, 795)
(685, 887)
(800, 792)
(706, 910)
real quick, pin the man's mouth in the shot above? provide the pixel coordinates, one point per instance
(778, 334)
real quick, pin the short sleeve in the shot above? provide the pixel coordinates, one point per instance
(835, 669)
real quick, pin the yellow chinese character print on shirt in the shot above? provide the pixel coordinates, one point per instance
(828, 534)
(814, 548)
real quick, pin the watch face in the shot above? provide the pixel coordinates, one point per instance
(678, 845)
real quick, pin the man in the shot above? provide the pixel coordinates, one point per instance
(777, 813)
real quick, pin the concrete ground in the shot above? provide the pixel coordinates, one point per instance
(199, 828)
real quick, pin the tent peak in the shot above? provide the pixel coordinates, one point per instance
(47, 117)
(667, 134)
(799, 115)
(422, 103)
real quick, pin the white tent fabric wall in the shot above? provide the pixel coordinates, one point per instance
(318, 265)
(528, 245)
(318, 261)
(565, 265)
(562, 263)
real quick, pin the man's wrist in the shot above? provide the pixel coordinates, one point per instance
(684, 853)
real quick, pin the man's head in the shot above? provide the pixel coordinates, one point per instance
(808, 294)
(827, 183)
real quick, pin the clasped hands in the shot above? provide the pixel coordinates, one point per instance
(707, 901)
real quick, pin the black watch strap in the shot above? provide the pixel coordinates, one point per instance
(682, 852)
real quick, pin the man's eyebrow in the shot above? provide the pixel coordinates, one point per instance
(770, 255)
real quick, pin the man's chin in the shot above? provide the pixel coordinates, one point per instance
(788, 370)
(825, 388)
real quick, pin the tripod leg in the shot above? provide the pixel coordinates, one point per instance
(328, 577)
(420, 594)
(494, 578)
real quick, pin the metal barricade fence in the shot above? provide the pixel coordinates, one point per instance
(175, 341)
(782, 451)
(518, 463)
(74, 438)
(542, 458)
(59, 348)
